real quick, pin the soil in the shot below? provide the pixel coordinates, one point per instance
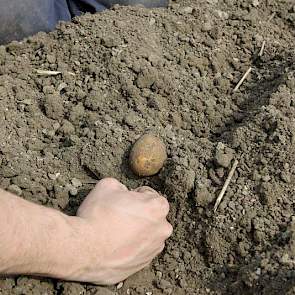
(171, 72)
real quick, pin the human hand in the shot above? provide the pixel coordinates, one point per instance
(122, 231)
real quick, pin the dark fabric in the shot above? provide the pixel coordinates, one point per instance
(146, 3)
(77, 7)
(22, 18)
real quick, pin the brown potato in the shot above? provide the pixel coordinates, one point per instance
(148, 155)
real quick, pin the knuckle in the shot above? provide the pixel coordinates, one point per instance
(163, 205)
(168, 230)
(160, 249)
(108, 181)
(111, 183)
(159, 206)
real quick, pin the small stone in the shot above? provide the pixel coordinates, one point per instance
(159, 274)
(72, 190)
(27, 101)
(53, 176)
(120, 285)
(255, 3)
(61, 86)
(266, 178)
(286, 176)
(152, 21)
(187, 9)
(15, 189)
(76, 182)
(222, 14)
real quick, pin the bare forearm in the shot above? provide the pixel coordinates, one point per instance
(34, 239)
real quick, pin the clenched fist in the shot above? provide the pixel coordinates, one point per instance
(123, 231)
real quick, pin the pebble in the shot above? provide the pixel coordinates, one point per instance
(187, 9)
(266, 178)
(62, 86)
(76, 182)
(222, 14)
(120, 285)
(159, 274)
(255, 3)
(72, 190)
(286, 176)
(152, 21)
(53, 176)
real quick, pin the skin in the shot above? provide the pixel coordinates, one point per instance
(116, 233)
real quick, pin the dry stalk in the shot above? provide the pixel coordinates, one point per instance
(243, 79)
(226, 184)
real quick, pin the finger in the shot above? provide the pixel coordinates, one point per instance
(110, 183)
(146, 189)
(106, 186)
(148, 192)
(157, 207)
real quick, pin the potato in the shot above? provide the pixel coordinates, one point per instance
(148, 155)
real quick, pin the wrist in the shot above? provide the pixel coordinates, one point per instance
(74, 251)
(39, 240)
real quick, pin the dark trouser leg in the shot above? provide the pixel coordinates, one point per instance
(146, 3)
(79, 6)
(21, 18)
